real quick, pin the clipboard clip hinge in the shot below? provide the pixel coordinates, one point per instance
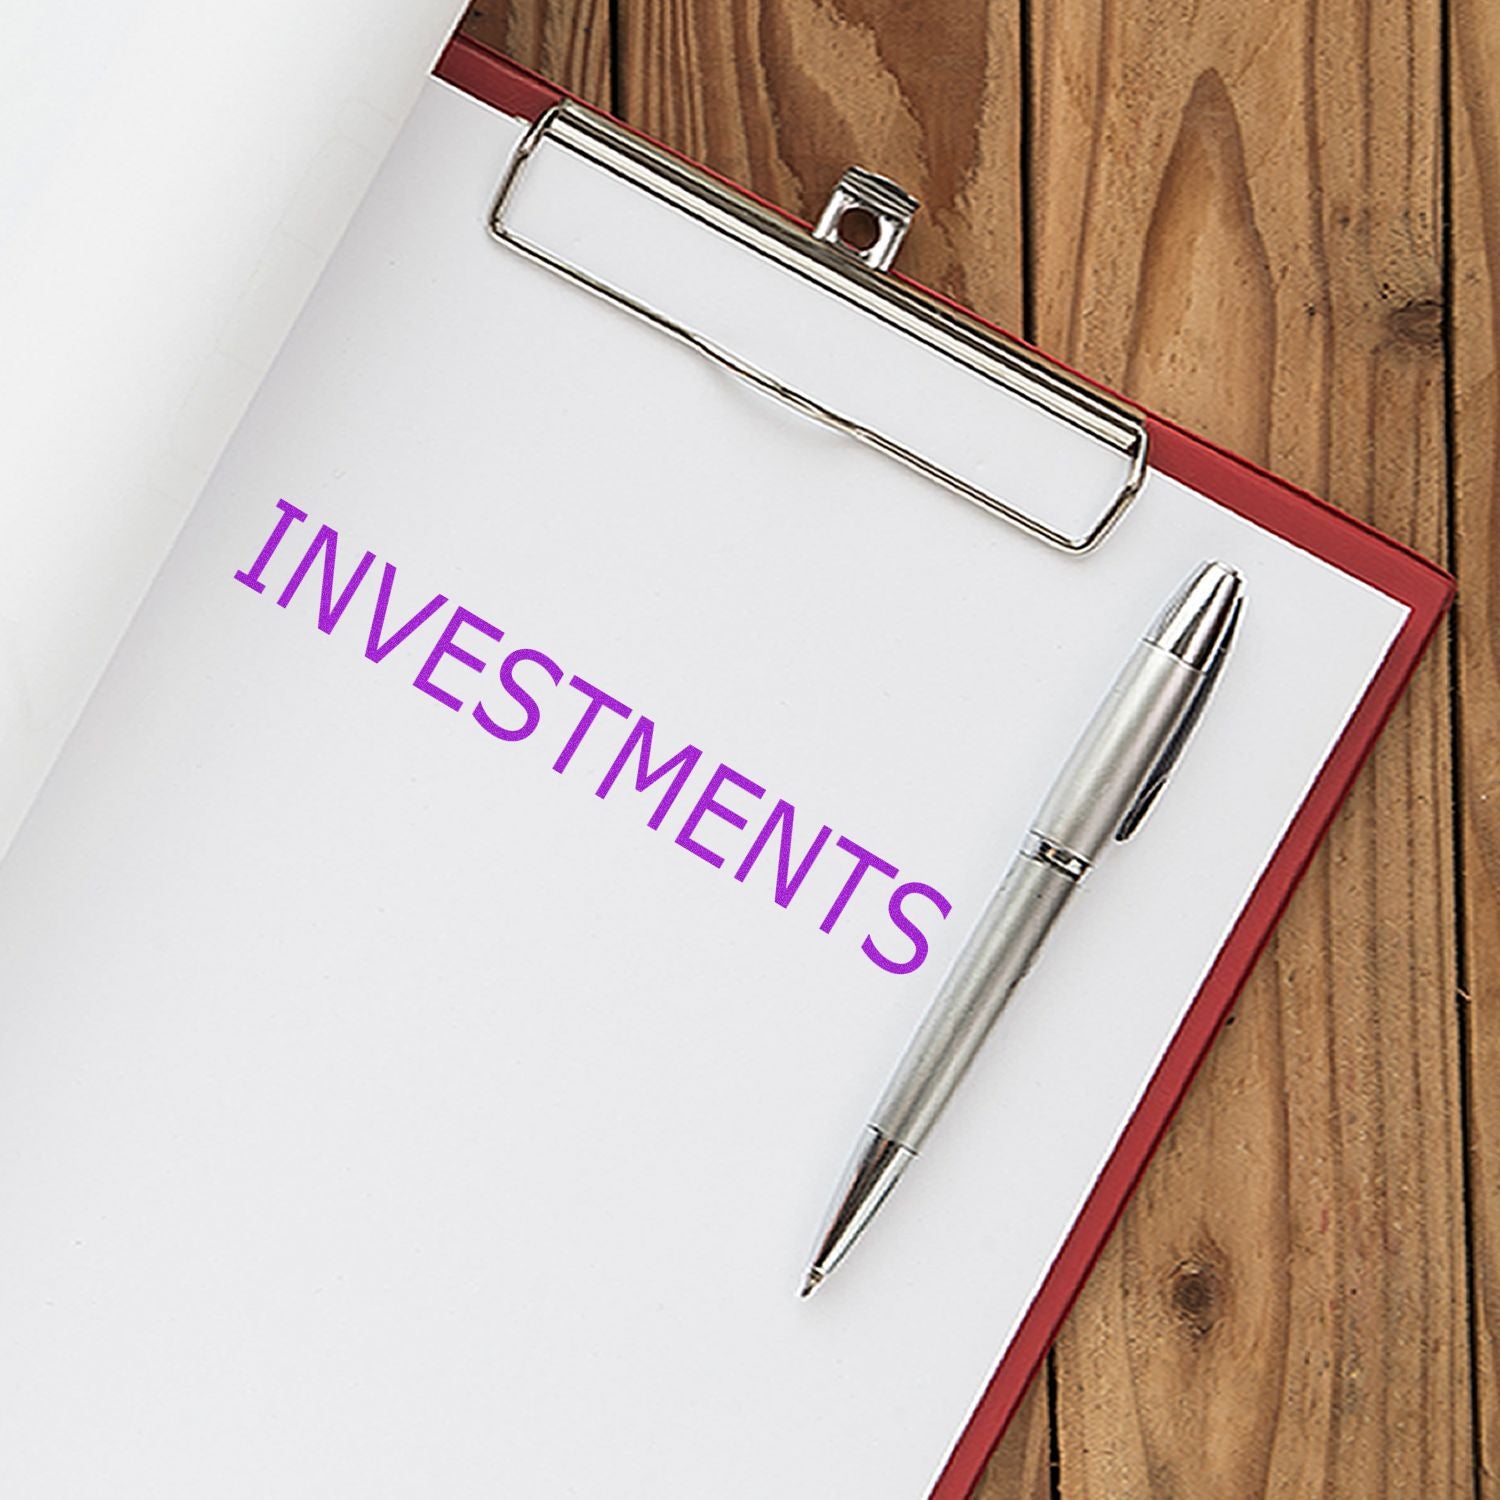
(866, 216)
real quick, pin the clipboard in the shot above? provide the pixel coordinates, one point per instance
(268, 637)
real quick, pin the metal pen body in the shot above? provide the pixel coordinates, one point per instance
(1091, 795)
(993, 962)
(1113, 774)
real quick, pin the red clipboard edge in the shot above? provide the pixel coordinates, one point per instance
(1288, 512)
(1426, 590)
(496, 80)
(493, 79)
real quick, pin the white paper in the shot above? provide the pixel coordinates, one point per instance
(383, 1112)
(171, 183)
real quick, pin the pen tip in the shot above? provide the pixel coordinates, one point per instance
(814, 1276)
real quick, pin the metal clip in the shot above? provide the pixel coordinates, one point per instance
(867, 216)
(838, 261)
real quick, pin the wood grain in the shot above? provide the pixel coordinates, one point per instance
(1474, 115)
(782, 95)
(1237, 220)
(567, 41)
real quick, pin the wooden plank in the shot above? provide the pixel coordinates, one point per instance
(1474, 115)
(782, 97)
(1021, 1466)
(567, 41)
(1237, 221)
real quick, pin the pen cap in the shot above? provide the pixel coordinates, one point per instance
(1143, 719)
(1193, 622)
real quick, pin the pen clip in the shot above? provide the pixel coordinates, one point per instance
(1156, 777)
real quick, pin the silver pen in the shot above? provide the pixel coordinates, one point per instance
(1118, 766)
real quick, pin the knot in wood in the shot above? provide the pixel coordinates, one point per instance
(1417, 323)
(1197, 1292)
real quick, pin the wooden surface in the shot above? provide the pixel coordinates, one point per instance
(1278, 221)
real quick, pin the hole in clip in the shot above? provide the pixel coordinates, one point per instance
(858, 228)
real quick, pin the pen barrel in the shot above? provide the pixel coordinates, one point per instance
(1127, 735)
(1093, 791)
(993, 962)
